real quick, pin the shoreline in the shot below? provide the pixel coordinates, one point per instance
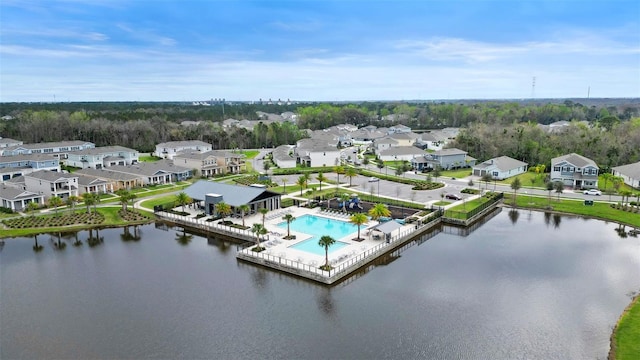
(613, 346)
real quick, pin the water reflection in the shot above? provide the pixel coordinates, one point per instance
(325, 301)
(514, 215)
(557, 219)
(128, 236)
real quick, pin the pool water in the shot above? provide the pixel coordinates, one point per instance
(318, 226)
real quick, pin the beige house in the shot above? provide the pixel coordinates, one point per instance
(206, 163)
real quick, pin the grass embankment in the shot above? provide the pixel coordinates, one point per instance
(599, 210)
(458, 173)
(462, 211)
(625, 340)
(67, 220)
(148, 158)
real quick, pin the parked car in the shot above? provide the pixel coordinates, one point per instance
(595, 192)
(453, 196)
(373, 179)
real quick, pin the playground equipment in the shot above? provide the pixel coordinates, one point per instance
(353, 203)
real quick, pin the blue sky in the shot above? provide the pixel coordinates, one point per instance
(112, 50)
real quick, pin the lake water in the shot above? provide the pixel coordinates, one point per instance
(543, 287)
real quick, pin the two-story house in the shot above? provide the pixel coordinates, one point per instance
(206, 163)
(169, 149)
(155, 173)
(630, 174)
(17, 199)
(445, 159)
(100, 157)
(500, 168)
(230, 162)
(313, 153)
(58, 149)
(51, 183)
(13, 166)
(283, 156)
(575, 170)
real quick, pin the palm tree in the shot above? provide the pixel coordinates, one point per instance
(288, 218)
(344, 198)
(183, 199)
(486, 178)
(437, 171)
(559, 187)
(55, 202)
(607, 177)
(326, 241)
(399, 170)
(36, 247)
(244, 209)
(125, 196)
(307, 177)
(379, 210)
(89, 199)
(72, 201)
(338, 170)
(284, 186)
(550, 188)
(302, 182)
(32, 207)
(515, 185)
(350, 173)
(321, 178)
(358, 219)
(258, 229)
(380, 165)
(365, 161)
(264, 212)
(223, 209)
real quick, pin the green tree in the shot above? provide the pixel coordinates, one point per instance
(344, 198)
(437, 171)
(326, 241)
(32, 207)
(223, 209)
(378, 211)
(124, 197)
(263, 211)
(89, 200)
(55, 202)
(607, 177)
(515, 185)
(244, 209)
(486, 178)
(559, 188)
(358, 219)
(72, 201)
(302, 182)
(288, 218)
(321, 178)
(338, 170)
(351, 173)
(284, 186)
(259, 230)
(182, 199)
(550, 188)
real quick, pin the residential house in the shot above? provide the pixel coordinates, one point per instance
(167, 150)
(230, 162)
(6, 142)
(432, 140)
(205, 163)
(100, 157)
(630, 173)
(313, 153)
(58, 149)
(51, 183)
(155, 173)
(114, 181)
(17, 199)
(500, 168)
(398, 129)
(400, 153)
(575, 170)
(445, 159)
(383, 144)
(366, 135)
(88, 184)
(283, 156)
(13, 166)
(404, 138)
(209, 193)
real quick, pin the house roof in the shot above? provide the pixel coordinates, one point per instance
(193, 155)
(402, 150)
(184, 143)
(12, 193)
(50, 145)
(316, 145)
(451, 151)
(107, 174)
(103, 150)
(282, 153)
(87, 180)
(386, 141)
(150, 168)
(630, 170)
(502, 163)
(51, 176)
(27, 157)
(386, 227)
(227, 154)
(234, 195)
(9, 141)
(574, 159)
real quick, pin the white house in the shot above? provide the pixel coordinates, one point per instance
(575, 170)
(168, 149)
(400, 153)
(314, 153)
(283, 156)
(100, 157)
(87, 184)
(17, 199)
(500, 168)
(59, 149)
(51, 183)
(154, 173)
(630, 173)
(380, 145)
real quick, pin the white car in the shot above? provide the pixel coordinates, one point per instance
(593, 192)
(373, 179)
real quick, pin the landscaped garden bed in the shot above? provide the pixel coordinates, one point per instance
(53, 221)
(132, 216)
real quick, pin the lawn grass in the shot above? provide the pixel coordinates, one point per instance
(626, 337)
(599, 210)
(525, 180)
(168, 201)
(250, 154)
(148, 158)
(458, 173)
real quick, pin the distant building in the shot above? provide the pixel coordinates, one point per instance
(58, 149)
(500, 168)
(100, 157)
(630, 173)
(168, 150)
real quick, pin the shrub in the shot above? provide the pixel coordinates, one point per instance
(6, 210)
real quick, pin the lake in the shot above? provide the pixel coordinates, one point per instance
(521, 286)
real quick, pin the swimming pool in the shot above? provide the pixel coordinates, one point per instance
(318, 226)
